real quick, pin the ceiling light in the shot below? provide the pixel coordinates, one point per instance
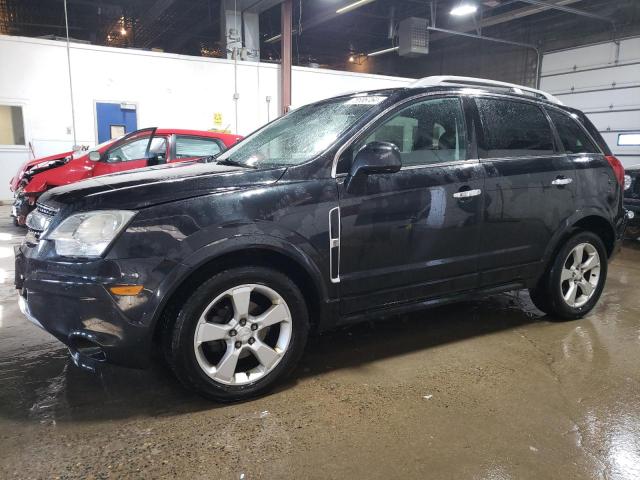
(275, 38)
(353, 6)
(382, 52)
(464, 8)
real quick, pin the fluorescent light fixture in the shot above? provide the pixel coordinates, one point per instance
(629, 139)
(382, 52)
(463, 8)
(353, 6)
(275, 38)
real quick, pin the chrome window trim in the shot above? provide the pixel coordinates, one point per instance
(334, 243)
(525, 157)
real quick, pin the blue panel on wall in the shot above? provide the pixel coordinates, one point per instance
(113, 115)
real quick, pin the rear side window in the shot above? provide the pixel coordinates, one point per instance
(573, 137)
(187, 147)
(514, 129)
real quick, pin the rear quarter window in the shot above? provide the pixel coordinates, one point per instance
(514, 129)
(188, 147)
(572, 135)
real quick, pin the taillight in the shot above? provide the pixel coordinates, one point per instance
(618, 169)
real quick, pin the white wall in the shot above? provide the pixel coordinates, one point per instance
(169, 91)
(603, 81)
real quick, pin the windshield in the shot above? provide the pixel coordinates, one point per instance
(301, 134)
(96, 148)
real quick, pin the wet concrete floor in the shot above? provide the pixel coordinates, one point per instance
(483, 390)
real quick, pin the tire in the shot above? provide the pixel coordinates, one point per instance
(208, 334)
(554, 293)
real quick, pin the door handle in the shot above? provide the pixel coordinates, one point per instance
(562, 181)
(467, 193)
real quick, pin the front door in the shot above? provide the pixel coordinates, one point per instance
(413, 234)
(133, 152)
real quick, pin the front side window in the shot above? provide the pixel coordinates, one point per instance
(514, 129)
(11, 125)
(426, 133)
(302, 134)
(573, 137)
(187, 147)
(137, 149)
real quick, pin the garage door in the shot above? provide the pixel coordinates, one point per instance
(603, 80)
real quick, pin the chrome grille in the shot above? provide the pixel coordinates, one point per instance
(48, 211)
(38, 221)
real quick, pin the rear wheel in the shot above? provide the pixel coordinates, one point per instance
(238, 334)
(573, 285)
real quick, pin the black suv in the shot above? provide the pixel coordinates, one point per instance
(359, 206)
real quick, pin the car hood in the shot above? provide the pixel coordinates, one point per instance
(30, 163)
(151, 186)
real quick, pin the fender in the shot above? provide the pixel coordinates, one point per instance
(72, 171)
(229, 245)
(567, 225)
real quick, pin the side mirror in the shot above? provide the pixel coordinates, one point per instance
(376, 157)
(94, 156)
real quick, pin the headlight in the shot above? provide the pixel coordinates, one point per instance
(627, 182)
(88, 234)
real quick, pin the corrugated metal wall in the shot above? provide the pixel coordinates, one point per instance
(602, 80)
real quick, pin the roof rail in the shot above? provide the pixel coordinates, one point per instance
(480, 82)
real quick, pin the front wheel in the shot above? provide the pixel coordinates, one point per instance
(573, 285)
(238, 334)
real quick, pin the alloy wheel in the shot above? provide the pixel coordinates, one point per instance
(242, 334)
(580, 275)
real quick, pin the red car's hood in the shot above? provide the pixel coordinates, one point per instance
(15, 181)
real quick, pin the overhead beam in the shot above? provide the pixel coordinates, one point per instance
(565, 9)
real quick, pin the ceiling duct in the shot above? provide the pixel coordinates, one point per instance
(413, 37)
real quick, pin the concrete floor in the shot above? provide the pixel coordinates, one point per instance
(487, 390)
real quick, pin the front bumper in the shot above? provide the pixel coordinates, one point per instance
(72, 301)
(20, 208)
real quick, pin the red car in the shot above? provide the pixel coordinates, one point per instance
(142, 148)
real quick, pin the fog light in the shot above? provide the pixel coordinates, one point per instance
(126, 290)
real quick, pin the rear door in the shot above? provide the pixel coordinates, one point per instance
(412, 234)
(530, 188)
(594, 183)
(189, 147)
